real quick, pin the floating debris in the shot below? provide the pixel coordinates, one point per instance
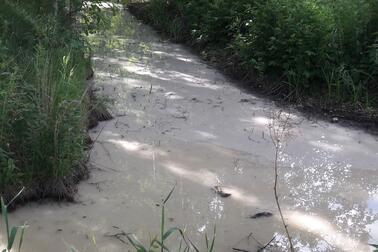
(261, 215)
(243, 100)
(220, 192)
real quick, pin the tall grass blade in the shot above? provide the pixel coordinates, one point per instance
(213, 241)
(169, 194)
(4, 213)
(169, 232)
(12, 237)
(16, 196)
(136, 244)
(22, 236)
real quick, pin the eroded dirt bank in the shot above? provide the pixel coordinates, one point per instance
(178, 120)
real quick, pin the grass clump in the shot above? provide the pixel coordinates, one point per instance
(159, 243)
(44, 97)
(324, 50)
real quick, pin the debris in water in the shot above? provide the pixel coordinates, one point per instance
(180, 117)
(247, 100)
(220, 192)
(133, 95)
(238, 249)
(195, 99)
(260, 215)
(335, 119)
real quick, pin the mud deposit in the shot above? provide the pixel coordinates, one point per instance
(178, 120)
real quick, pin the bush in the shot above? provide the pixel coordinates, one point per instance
(43, 112)
(317, 48)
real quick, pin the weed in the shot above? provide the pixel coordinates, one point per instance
(157, 244)
(11, 232)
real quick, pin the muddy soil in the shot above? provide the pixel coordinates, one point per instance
(180, 121)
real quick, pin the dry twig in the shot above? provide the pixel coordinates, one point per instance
(279, 130)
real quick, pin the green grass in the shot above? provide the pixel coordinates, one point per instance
(44, 103)
(158, 243)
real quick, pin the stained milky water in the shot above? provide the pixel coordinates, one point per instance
(179, 121)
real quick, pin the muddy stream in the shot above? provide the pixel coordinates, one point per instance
(178, 120)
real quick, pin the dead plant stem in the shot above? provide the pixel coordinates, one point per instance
(277, 150)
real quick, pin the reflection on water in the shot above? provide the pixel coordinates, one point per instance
(323, 194)
(330, 190)
(330, 203)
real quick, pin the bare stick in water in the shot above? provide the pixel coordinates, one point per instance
(277, 134)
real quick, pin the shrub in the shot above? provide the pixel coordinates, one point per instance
(42, 90)
(315, 47)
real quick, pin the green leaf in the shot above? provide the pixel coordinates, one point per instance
(194, 246)
(169, 194)
(213, 241)
(207, 242)
(15, 197)
(12, 237)
(169, 232)
(136, 244)
(4, 212)
(22, 236)
(163, 246)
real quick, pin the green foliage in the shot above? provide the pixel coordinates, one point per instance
(315, 47)
(375, 246)
(43, 112)
(11, 232)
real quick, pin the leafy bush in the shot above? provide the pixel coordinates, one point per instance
(315, 48)
(43, 107)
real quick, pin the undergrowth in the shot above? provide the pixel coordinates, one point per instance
(323, 50)
(44, 104)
